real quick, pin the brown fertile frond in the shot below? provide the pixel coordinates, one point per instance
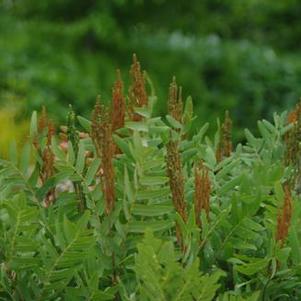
(47, 172)
(224, 148)
(176, 183)
(137, 92)
(292, 117)
(107, 164)
(50, 132)
(202, 191)
(47, 166)
(118, 104)
(101, 133)
(284, 216)
(175, 103)
(176, 179)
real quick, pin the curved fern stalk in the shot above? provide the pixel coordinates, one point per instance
(74, 249)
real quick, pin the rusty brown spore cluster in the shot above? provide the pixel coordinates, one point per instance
(175, 102)
(137, 92)
(101, 133)
(202, 186)
(284, 216)
(46, 169)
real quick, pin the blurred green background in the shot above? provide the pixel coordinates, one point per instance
(243, 56)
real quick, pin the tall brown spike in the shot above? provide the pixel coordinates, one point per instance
(118, 103)
(175, 102)
(284, 216)
(176, 179)
(227, 135)
(107, 163)
(176, 183)
(137, 92)
(101, 133)
(51, 132)
(46, 153)
(202, 191)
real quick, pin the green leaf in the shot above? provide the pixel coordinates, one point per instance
(141, 226)
(152, 194)
(144, 112)
(153, 180)
(81, 158)
(256, 265)
(254, 142)
(57, 150)
(136, 126)
(188, 111)
(151, 209)
(33, 125)
(62, 267)
(92, 170)
(25, 158)
(189, 154)
(85, 123)
(264, 131)
(210, 157)
(230, 185)
(124, 146)
(173, 122)
(294, 242)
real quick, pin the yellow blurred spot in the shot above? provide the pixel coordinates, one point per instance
(10, 130)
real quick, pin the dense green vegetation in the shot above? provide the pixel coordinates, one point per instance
(128, 206)
(151, 194)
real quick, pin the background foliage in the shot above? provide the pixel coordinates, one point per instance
(235, 55)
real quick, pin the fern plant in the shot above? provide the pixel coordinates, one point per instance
(130, 206)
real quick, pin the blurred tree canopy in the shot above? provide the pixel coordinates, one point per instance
(230, 54)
